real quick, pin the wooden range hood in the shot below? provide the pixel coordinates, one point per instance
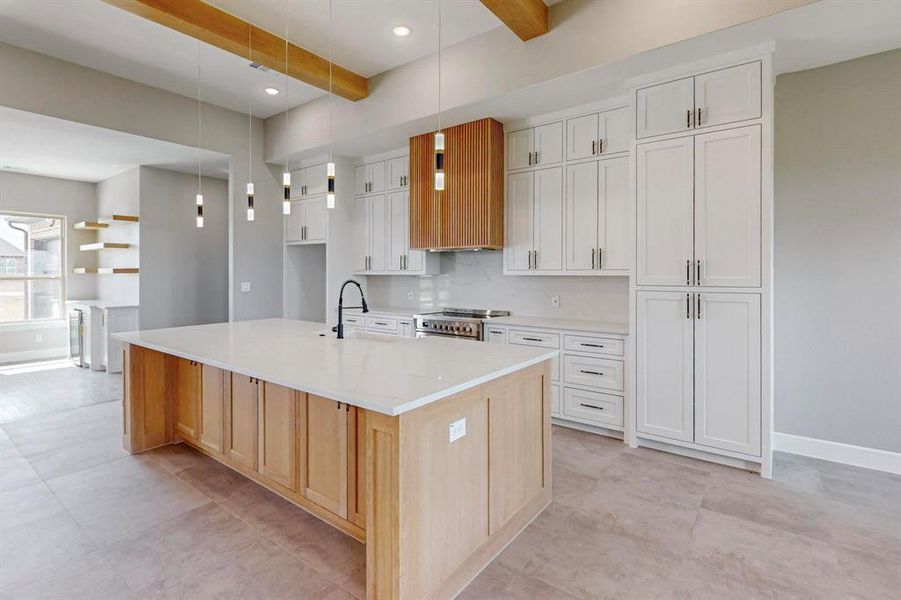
(469, 213)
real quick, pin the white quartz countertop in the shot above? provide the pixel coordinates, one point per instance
(605, 327)
(386, 374)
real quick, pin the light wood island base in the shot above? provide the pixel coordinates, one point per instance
(433, 513)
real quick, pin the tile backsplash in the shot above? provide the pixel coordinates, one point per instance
(476, 280)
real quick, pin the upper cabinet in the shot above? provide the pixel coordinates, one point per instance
(535, 146)
(535, 221)
(724, 96)
(398, 172)
(309, 181)
(308, 221)
(369, 178)
(598, 134)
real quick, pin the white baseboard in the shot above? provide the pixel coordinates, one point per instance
(858, 456)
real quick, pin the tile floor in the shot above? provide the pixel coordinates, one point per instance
(81, 519)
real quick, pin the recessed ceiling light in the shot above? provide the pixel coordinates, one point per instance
(272, 91)
(401, 31)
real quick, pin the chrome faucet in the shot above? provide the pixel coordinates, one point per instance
(339, 328)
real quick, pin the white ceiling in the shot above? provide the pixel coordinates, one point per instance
(100, 36)
(41, 145)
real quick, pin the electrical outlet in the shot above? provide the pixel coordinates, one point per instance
(555, 301)
(245, 286)
(456, 430)
(410, 295)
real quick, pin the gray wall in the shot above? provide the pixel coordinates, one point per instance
(838, 252)
(184, 270)
(119, 195)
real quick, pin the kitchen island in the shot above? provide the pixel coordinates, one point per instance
(434, 452)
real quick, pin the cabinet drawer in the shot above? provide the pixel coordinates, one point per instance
(354, 321)
(496, 335)
(381, 324)
(603, 409)
(556, 407)
(593, 372)
(593, 345)
(531, 338)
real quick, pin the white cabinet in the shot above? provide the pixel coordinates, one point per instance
(535, 146)
(598, 216)
(598, 134)
(405, 328)
(369, 178)
(381, 225)
(496, 335)
(535, 221)
(398, 172)
(664, 197)
(360, 227)
(699, 368)
(101, 323)
(727, 208)
(723, 96)
(309, 181)
(595, 407)
(401, 259)
(370, 233)
(308, 221)
(665, 383)
(727, 371)
(698, 203)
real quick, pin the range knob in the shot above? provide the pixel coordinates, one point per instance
(467, 329)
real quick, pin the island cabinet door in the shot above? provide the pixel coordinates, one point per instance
(242, 421)
(186, 392)
(356, 466)
(323, 453)
(214, 384)
(278, 434)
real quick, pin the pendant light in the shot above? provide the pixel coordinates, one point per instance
(199, 198)
(439, 135)
(250, 214)
(286, 175)
(330, 167)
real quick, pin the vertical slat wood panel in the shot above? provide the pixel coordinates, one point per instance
(469, 213)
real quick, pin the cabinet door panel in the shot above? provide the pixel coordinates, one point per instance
(665, 369)
(398, 219)
(378, 233)
(315, 217)
(294, 222)
(728, 95)
(214, 391)
(727, 207)
(316, 180)
(397, 172)
(615, 131)
(548, 142)
(242, 422)
(582, 216)
(361, 230)
(614, 207)
(187, 396)
(278, 435)
(665, 108)
(520, 221)
(549, 219)
(377, 176)
(356, 466)
(581, 137)
(727, 372)
(664, 203)
(361, 179)
(324, 453)
(519, 148)
(298, 179)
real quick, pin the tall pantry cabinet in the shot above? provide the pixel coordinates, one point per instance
(703, 200)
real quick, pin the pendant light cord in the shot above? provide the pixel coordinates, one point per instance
(331, 96)
(439, 65)
(286, 78)
(250, 109)
(199, 120)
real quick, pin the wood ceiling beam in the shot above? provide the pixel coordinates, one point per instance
(232, 34)
(526, 18)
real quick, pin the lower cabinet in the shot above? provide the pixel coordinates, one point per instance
(243, 424)
(699, 368)
(278, 434)
(214, 389)
(356, 467)
(186, 392)
(323, 453)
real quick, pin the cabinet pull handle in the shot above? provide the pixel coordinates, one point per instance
(587, 345)
(537, 155)
(698, 273)
(535, 254)
(591, 372)
(687, 306)
(698, 309)
(698, 120)
(591, 406)
(601, 146)
(594, 146)
(339, 406)
(688, 119)
(530, 158)
(593, 251)
(688, 272)
(532, 339)
(600, 258)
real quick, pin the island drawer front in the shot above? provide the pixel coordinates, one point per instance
(593, 345)
(594, 372)
(353, 321)
(603, 409)
(381, 324)
(532, 338)
(556, 406)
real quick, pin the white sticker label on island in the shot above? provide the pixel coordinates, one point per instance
(456, 430)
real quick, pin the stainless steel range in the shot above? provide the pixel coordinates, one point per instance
(461, 323)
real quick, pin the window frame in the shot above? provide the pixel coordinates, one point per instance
(63, 261)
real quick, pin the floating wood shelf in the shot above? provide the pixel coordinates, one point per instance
(93, 225)
(105, 270)
(119, 219)
(103, 246)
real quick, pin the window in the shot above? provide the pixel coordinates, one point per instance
(31, 267)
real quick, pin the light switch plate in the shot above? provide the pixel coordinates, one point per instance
(555, 301)
(456, 430)
(245, 286)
